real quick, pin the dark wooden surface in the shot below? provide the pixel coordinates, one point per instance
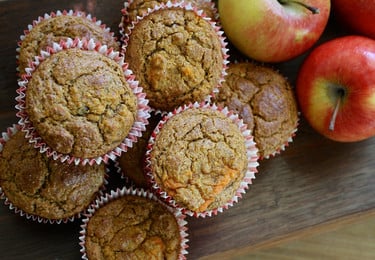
(313, 182)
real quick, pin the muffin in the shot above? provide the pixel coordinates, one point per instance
(265, 101)
(59, 26)
(131, 164)
(42, 188)
(177, 55)
(133, 224)
(82, 103)
(138, 8)
(200, 159)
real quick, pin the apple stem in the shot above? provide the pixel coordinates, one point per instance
(335, 112)
(312, 9)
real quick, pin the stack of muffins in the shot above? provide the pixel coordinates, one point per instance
(164, 107)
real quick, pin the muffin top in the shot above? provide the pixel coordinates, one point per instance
(80, 103)
(43, 187)
(264, 100)
(199, 158)
(132, 227)
(58, 28)
(132, 161)
(140, 8)
(177, 57)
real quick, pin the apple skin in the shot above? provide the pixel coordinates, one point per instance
(268, 31)
(358, 15)
(341, 65)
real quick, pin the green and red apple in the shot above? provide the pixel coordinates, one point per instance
(336, 88)
(358, 15)
(273, 30)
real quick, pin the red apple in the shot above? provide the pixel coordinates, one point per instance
(273, 30)
(358, 15)
(336, 88)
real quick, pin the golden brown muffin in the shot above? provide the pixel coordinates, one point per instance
(80, 103)
(58, 28)
(177, 56)
(132, 161)
(265, 101)
(199, 158)
(132, 227)
(139, 8)
(43, 187)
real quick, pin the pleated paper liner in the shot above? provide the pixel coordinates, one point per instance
(112, 196)
(127, 33)
(142, 103)
(13, 199)
(251, 153)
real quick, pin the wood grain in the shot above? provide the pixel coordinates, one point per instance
(314, 181)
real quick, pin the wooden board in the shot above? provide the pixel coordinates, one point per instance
(315, 181)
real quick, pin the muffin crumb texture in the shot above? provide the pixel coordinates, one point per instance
(264, 100)
(80, 103)
(199, 158)
(132, 227)
(43, 187)
(177, 57)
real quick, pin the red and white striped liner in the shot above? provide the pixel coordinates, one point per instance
(114, 194)
(251, 154)
(187, 6)
(46, 16)
(143, 110)
(5, 137)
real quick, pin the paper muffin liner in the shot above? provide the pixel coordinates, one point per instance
(126, 20)
(126, 34)
(244, 185)
(114, 194)
(46, 16)
(143, 110)
(5, 137)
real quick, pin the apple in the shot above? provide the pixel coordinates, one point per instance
(335, 88)
(273, 30)
(358, 15)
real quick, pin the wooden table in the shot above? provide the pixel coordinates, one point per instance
(314, 182)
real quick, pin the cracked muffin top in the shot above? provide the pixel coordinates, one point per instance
(177, 57)
(44, 187)
(265, 101)
(80, 103)
(59, 28)
(139, 8)
(199, 158)
(132, 227)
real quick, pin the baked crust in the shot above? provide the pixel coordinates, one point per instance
(265, 101)
(44, 187)
(80, 103)
(199, 158)
(177, 57)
